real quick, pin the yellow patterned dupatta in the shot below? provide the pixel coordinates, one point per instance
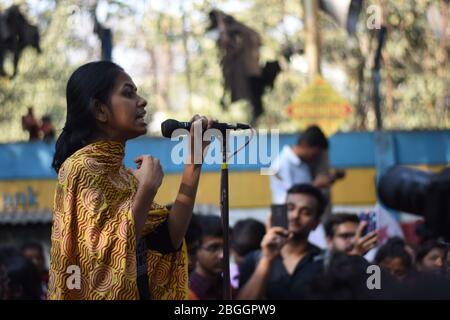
(93, 230)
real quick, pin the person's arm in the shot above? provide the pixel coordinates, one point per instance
(322, 181)
(149, 183)
(149, 174)
(255, 287)
(326, 180)
(285, 176)
(181, 212)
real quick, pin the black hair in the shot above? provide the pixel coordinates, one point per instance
(344, 278)
(247, 236)
(313, 136)
(194, 231)
(309, 189)
(88, 86)
(210, 225)
(426, 247)
(394, 248)
(336, 219)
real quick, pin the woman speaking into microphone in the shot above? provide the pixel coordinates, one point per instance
(110, 240)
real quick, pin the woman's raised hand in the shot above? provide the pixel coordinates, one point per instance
(199, 125)
(149, 172)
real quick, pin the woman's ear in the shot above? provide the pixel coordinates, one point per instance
(101, 111)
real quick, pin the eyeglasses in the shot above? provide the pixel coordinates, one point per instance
(213, 248)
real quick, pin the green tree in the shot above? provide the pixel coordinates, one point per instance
(164, 47)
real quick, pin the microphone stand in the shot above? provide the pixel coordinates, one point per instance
(224, 211)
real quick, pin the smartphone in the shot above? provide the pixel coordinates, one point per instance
(371, 218)
(279, 215)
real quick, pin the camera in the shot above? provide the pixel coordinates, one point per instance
(421, 193)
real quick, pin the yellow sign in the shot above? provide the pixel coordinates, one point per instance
(321, 105)
(27, 195)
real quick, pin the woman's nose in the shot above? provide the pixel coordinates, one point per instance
(142, 103)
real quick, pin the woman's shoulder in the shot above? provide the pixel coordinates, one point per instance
(76, 159)
(77, 163)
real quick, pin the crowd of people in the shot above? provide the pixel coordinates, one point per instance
(276, 263)
(271, 263)
(268, 263)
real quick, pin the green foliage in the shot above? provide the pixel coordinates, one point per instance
(169, 36)
(41, 80)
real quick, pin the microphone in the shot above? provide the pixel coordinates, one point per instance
(170, 125)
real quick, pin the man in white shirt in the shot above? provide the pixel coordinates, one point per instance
(293, 166)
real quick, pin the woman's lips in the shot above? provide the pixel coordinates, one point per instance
(141, 120)
(141, 117)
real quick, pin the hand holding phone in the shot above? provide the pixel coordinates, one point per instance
(371, 219)
(279, 216)
(366, 238)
